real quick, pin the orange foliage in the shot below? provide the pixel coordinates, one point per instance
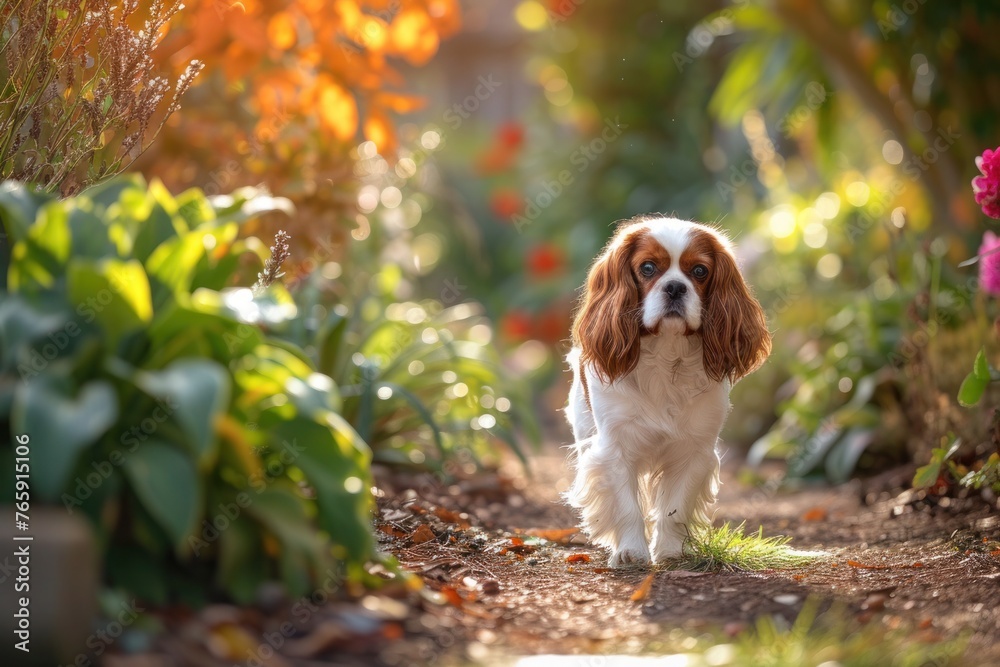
(289, 88)
(315, 59)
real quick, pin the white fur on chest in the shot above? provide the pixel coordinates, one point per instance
(666, 403)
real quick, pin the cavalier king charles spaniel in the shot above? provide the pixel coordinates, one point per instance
(666, 326)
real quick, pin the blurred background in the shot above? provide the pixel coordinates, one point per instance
(447, 171)
(834, 141)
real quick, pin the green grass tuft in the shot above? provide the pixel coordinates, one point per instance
(729, 548)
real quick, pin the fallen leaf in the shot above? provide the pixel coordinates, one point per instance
(422, 534)
(925, 623)
(578, 558)
(815, 514)
(392, 530)
(557, 535)
(862, 566)
(644, 588)
(683, 574)
(392, 631)
(518, 546)
(452, 596)
(449, 516)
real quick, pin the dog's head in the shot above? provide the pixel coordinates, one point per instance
(664, 276)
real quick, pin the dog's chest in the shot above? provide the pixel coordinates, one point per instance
(668, 395)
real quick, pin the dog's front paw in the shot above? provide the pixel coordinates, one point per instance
(667, 550)
(633, 556)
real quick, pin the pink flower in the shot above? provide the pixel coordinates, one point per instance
(989, 264)
(987, 186)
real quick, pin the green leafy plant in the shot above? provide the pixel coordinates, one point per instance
(940, 463)
(977, 381)
(421, 382)
(983, 473)
(204, 450)
(987, 476)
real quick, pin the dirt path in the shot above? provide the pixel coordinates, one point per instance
(899, 560)
(921, 569)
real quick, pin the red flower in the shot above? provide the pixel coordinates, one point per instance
(987, 186)
(544, 259)
(494, 161)
(506, 203)
(516, 325)
(510, 135)
(552, 326)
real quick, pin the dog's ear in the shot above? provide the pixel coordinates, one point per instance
(734, 333)
(608, 322)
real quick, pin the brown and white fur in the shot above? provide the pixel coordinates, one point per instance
(666, 326)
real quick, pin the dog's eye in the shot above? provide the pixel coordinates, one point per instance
(700, 271)
(647, 269)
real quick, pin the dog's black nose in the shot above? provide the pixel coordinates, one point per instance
(675, 289)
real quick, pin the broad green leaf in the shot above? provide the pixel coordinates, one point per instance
(167, 484)
(38, 260)
(927, 475)
(283, 514)
(243, 565)
(335, 462)
(972, 390)
(23, 321)
(19, 207)
(61, 426)
(329, 342)
(171, 266)
(91, 234)
(843, 458)
(107, 193)
(196, 391)
(814, 449)
(981, 368)
(152, 228)
(314, 396)
(178, 328)
(114, 293)
(194, 208)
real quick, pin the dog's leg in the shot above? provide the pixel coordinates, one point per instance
(682, 499)
(606, 492)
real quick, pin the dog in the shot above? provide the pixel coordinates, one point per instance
(666, 325)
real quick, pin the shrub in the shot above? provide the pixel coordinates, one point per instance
(421, 382)
(203, 449)
(80, 95)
